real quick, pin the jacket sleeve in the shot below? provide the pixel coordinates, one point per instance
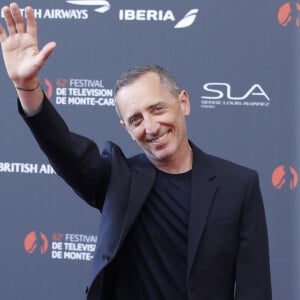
(75, 158)
(252, 265)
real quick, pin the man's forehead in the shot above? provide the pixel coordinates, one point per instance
(145, 83)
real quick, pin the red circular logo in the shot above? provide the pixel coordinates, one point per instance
(289, 12)
(284, 176)
(49, 91)
(36, 241)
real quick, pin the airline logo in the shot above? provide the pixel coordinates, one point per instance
(188, 19)
(81, 10)
(25, 168)
(102, 6)
(153, 15)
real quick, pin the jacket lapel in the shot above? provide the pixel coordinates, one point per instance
(202, 193)
(143, 177)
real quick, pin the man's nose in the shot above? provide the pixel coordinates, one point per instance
(151, 125)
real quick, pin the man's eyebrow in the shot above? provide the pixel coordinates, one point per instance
(160, 103)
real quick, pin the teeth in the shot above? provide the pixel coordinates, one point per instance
(159, 139)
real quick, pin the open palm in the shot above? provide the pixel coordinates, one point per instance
(21, 55)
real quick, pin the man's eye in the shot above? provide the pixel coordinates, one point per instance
(158, 108)
(134, 121)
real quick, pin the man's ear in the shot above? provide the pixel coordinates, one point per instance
(184, 102)
(123, 124)
(125, 127)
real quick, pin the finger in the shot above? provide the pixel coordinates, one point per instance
(31, 22)
(3, 35)
(10, 22)
(46, 52)
(16, 14)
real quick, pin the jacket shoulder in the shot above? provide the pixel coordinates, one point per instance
(228, 166)
(221, 167)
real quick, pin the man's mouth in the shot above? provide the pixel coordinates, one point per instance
(159, 139)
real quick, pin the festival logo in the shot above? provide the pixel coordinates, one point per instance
(289, 13)
(285, 177)
(49, 90)
(79, 92)
(83, 92)
(62, 246)
(36, 242)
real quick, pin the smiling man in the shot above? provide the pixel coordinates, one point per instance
(176, 223)
(153, 110)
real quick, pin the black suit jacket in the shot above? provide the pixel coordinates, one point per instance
(227, 241)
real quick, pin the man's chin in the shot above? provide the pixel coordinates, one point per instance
(158, 156)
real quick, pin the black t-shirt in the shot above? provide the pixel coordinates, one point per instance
(151, 264)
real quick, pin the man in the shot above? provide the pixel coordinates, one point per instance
(176, 223)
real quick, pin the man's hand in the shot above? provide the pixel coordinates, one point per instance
(21, 55)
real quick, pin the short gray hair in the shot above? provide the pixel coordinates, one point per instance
(135, 73)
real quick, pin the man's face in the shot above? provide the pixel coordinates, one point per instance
(155, 118)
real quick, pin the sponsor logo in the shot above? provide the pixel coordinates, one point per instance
(216, 94)
(188, 19)
(26, 168)
(81, 11)
(36, 242)
(153, 15)
(80, 92)
(285, 177)
(102, 5)
(61, 246)
(289, 13)
(57, 13)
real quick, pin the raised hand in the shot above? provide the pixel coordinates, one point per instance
(21, 55)
(20, 50)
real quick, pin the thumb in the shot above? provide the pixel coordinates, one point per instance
(46, 52)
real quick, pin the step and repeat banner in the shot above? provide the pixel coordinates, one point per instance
(240, 63)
